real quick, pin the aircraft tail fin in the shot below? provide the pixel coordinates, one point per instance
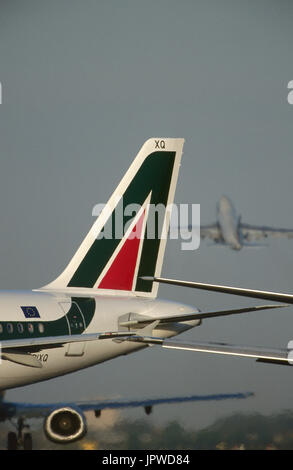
(118, 249)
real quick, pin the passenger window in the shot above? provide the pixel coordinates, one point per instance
(30, 328)
(20, 327)
(1, 328)
(9, 328)
(41, 328)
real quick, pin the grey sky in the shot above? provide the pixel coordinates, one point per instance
(84, 85)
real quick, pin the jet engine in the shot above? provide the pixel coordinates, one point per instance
(65, 425)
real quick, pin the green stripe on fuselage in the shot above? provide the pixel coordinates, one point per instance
(59, 327)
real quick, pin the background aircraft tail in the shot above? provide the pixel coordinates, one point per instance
(123, 244)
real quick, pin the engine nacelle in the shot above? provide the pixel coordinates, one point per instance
(65, 425)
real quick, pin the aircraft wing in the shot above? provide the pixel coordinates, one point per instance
(36, 344)
(34, 410)
(138, 321)
(254, 232)
(206, 231)
(20, 350)
(210, 231)
(48, 341)
(256, 294)
(279, 356)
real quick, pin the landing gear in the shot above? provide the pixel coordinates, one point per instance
(19, 440)
(27, 442)
(12, 441)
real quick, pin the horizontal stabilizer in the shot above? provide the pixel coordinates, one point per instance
(196, 316)
(280, 356)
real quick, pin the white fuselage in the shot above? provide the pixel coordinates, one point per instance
(228, 222)
(56, 317)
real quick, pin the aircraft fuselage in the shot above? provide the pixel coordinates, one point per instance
(30, 314)
(228, 222)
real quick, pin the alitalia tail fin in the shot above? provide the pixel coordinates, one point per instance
(128, 238)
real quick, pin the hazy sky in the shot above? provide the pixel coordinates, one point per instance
(84, 85)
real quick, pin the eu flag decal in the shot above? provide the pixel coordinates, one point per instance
(30, 312)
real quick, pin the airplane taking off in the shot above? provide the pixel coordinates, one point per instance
(229, 230)
(104, 304)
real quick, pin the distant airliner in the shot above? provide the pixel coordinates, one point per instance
(103, 305)
(229, 230)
